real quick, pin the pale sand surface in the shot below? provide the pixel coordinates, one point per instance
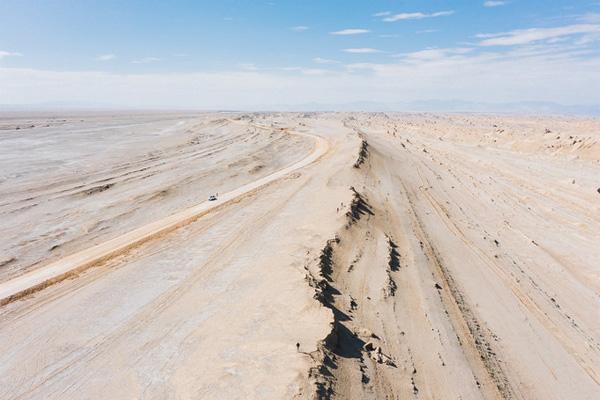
(71, 182)
(465, 263)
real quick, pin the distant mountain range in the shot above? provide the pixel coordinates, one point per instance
(451, 106)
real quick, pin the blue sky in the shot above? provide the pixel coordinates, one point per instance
(228, 53)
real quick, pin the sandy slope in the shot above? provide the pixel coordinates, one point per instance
(468, 271)
(49, 274)
(213, 310)
(70, 182)
(463, 263)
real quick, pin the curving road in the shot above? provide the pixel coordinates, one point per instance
(75, 263)
(213, 309)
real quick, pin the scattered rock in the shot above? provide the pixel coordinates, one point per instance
(376, 354)
(363, 154)
(358, 207)
(98, 189)
(7, 261)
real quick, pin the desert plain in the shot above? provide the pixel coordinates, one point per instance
(347, 256)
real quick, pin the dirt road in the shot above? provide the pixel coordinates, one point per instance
(57, 271)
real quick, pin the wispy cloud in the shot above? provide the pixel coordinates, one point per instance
(591, 18)
(362, 50)
(526, 36)
(382, 14)
(539, 72)
(306, 71)
(494, 3)
(248, 66)
(145, 60)
(350, 31)
(9, 54)
(106, 57)
(319, 60)
(533, 73)
(416, 15)
(427, 31)
(435, 54)
(299, 28)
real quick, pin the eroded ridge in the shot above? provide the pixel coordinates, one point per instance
(368, 275)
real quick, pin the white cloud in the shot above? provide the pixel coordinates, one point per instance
(435, 54)
(427, 31)
(416, 15)
(362, 50)
(494, 3)
(299, 28)
(588, 39)
(314, 71)
(248, 66)
(9, 54)
(106, 57)
(146, 60)
(526, 36)
(561, 73)
(591, 18)
(351, 31)
(382, 14)
(319, 60)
